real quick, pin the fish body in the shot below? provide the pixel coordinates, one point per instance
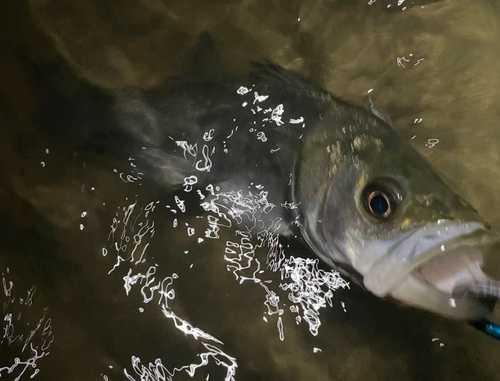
(364, 200)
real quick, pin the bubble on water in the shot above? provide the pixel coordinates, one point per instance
(84, 214)
(82, 227)
(431, 143)
(242, 90)
(262, 136)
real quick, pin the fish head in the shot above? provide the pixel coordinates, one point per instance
(374, 207)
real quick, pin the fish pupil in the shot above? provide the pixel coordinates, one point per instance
(379, 204)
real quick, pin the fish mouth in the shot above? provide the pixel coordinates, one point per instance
(425, 267)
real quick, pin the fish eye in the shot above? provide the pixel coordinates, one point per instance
(378, 204)
(380, 199)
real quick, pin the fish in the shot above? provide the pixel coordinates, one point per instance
(342, 179)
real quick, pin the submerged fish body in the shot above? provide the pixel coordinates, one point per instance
(364, 200)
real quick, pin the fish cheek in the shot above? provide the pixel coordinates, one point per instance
(333, 225)
(341, 217)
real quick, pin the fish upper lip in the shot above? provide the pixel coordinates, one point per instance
(416, 248)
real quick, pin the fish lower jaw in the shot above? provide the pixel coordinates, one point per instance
(415, 293)
(446, 272)
(425, 266)
(431, 286)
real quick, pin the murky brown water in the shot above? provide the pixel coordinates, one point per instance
(430, 66)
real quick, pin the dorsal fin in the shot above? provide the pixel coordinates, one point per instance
(289, 80)
(206, 63)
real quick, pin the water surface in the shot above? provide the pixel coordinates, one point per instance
(107, 276)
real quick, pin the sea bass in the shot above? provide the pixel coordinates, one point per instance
(364, 201)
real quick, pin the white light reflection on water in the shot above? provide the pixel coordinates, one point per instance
(254, 254)
(158, 371)
(137, 226)
(30, 344)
